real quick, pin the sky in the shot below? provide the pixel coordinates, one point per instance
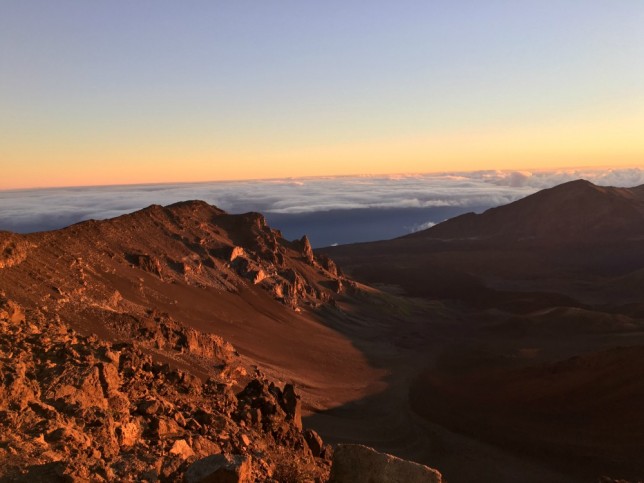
(118, 92)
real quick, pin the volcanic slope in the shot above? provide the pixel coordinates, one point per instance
(577, 211)
(575, 243)
(208, 314)
(184, 277)
(547, 295)
(186, 292)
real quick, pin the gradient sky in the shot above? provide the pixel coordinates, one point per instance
(105, 92)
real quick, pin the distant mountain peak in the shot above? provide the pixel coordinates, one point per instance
(578, 182)
(576, 211)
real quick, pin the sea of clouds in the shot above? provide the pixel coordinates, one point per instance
(45, 209)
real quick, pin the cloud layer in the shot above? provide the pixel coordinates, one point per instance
(44, 209)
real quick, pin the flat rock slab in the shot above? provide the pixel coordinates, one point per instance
(355, 463)
(219, 468)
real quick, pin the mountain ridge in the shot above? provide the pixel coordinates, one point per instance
(200, 300)
(191, 292)
(548, 295)
(570, 212)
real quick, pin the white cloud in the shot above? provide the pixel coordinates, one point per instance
(422, 226)
(28, 210)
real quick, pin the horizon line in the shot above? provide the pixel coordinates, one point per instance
(340, 176)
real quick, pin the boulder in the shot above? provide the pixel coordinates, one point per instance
(219, 468)
(236, 252)
(292, 405)
(11, 311)
(355, 463)
(128, 433)
(17, 390)
(52, 472)
(13, 250)
(81, 387)
(182, 449)
(68, 436)
(150, 407)
(164, 428)
(109, 377)
(256, 276)
(203, 446)
(314, 442)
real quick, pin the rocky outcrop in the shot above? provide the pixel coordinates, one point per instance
(249, 269)
(161, 331)
(314, 442)
(13, 249)
(292, 405)
(306, 250)
(148, 263)
(276, 411)
(74, 408)
(353, 463)
(245, 245)
(187, 244)
(10, 311)
(329, 265)
(235, 252)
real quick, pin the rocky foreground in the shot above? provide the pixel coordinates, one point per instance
(113, 366)
(77, 409)
(73, 408)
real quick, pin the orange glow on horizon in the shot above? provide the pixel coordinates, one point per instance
(601, 141)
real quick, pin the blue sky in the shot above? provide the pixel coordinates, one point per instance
(117, 92)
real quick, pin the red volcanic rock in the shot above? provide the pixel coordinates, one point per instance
(148, 263)
(314, 442)
(305, 247)
(13, 249)
(73, 408)
(263, 404)
(163, 427)
(129, 432)
(330, 266)
(235, 252)
(219, 469)
(292, 405)
(181, 449)
(11, 311)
